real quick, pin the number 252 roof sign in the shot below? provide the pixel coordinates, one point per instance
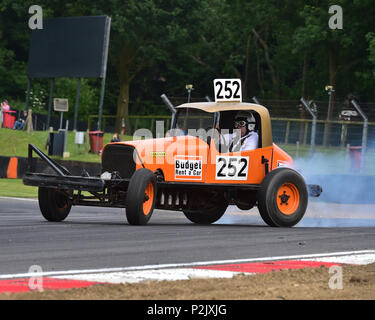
(60, 105)
(228, 90)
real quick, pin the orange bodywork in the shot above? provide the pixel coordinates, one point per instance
(190, 159)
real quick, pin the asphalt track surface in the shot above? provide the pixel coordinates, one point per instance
(92, 238)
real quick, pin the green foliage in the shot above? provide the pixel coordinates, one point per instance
(371, 39)
(38, 99)
(89, 96)
(158, 46)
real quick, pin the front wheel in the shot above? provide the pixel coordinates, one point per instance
(140, 200)
(54, 204)
(282, 198)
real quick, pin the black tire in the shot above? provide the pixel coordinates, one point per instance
(54, 204)
(210, 213)
(138, 199)
(282, 198)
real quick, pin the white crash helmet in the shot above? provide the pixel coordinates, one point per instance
(248, 117)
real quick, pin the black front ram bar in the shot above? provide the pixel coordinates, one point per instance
(64, 179)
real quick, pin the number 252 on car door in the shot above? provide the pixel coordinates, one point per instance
(231, 168)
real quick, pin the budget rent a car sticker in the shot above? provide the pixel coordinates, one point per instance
(188, 167)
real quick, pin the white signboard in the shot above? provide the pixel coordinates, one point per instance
(80, 137)
(60, 105)
(188, 168)
(228, 90)
(231, 168)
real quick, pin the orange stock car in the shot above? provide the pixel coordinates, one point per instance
(190, 172)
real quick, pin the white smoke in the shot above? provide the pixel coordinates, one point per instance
(347, 199)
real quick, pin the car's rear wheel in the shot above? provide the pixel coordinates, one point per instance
(140, 200)
(54, 204)
(209, 212)
(282, 198)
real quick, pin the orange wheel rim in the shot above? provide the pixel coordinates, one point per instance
(148, 199)
(288, 199)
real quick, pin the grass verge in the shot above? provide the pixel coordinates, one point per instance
(16, 188)
(14, 143)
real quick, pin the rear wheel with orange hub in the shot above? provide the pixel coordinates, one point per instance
(141, 196)
(282, 198)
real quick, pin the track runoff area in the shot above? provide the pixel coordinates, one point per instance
(66, 279)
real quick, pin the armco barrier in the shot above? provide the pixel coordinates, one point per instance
(15, 167)
(4, 161)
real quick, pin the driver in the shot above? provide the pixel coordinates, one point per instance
(245, 122)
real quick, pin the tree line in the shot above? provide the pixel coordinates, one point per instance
(280, 50)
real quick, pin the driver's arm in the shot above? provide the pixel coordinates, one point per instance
(226, 138)
(251, 142)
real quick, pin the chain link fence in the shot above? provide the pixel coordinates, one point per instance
(291, 123)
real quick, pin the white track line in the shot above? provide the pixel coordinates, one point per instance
(184, 265)
(359, 259)
(171, 274)
(21, 199)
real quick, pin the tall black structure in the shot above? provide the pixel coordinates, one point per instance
(75, 47)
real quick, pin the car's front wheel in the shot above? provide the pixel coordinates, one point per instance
(54, 204)
(141, 196)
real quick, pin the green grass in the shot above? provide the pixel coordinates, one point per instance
(15, 143)
(16, 188)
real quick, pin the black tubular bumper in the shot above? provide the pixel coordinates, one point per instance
(104, 192)
(63, 178)
(64, 182)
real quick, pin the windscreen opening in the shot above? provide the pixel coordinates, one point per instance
(188, 119)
